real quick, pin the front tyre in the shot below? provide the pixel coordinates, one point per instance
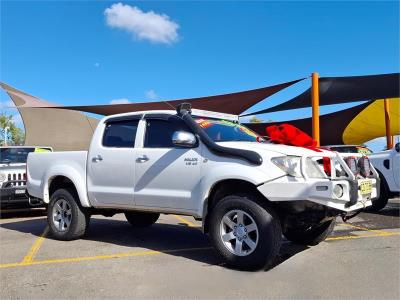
(66, 218)
(312, 234)
(141, 219)
(380, 203)
(245, 232)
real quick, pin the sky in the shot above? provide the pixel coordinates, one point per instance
(97, 52)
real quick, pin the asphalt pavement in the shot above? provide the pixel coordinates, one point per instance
(173, 259)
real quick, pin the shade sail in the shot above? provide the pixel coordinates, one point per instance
(355, 125)
(335, 90)
(65, 128)
(234, 103)
(60, 129)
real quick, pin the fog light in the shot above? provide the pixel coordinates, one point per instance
(338, 191)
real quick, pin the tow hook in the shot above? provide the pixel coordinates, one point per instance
(346, 217)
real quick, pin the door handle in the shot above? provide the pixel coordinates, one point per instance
(142, 159)
(97, 158)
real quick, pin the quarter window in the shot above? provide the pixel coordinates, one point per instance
(159, 132)
(120, 134)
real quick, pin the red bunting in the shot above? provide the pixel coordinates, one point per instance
(289, 135)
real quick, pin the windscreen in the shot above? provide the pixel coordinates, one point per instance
(14, 155)
(225, 131)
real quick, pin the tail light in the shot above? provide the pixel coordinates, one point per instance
(326, 161)
(364, 166)
(351, 162)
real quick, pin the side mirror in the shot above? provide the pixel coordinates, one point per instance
(397, 147)
(184, 139)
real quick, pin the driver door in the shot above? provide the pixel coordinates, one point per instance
(166, 176)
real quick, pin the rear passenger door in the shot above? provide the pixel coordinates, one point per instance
(111, 164)
(166, 176)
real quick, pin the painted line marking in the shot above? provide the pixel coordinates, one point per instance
(29, 258)
(35, 247)
(353, 237)
(99, 257)
(184, 221)
(365, 229)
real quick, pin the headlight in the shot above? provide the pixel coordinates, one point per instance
(289, 164)
(2, 177)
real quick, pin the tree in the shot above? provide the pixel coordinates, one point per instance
(254, 119)
(10, 131)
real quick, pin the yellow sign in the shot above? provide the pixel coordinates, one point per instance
(366, 187)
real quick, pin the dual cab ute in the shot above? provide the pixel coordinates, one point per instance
(247, 192)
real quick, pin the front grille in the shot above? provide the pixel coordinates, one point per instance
(16, 179)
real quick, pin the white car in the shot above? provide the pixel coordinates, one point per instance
(246, 191)
(13, 192)
(387, 163)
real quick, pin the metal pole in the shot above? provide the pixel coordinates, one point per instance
(315, 106)
(389, 140)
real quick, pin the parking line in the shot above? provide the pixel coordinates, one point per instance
(184, 221)
(366, 229)
(353, 237)
(35, 247)
(154, 252)
(99, 257)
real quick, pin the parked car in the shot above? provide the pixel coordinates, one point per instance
(348, 149)
(246, 192)
(387, 163)
(13, 176)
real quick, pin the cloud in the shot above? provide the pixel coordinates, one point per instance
(120, 101)
(151, 26)
(151, 95)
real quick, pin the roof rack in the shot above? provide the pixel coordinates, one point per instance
(205, 113)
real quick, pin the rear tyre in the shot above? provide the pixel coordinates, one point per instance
(141, 219)
(380, 203)
(65, 216)
(311, 235)
(245, 232)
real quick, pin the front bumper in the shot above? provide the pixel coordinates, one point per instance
(17, 196)
(320, 191)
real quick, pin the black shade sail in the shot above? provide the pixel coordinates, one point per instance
(335, 90)
(233, 103)
(332, 125)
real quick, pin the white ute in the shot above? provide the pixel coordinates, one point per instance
(387, 164)
(248, 192)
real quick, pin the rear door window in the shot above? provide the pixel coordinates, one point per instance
(120, 134)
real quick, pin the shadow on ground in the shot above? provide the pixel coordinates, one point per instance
(159, 237)
(22, 213)
(387, 218)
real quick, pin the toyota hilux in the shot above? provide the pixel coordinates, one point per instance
(247, 192)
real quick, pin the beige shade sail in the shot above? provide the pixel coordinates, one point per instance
(65, 128)
(60, 129)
